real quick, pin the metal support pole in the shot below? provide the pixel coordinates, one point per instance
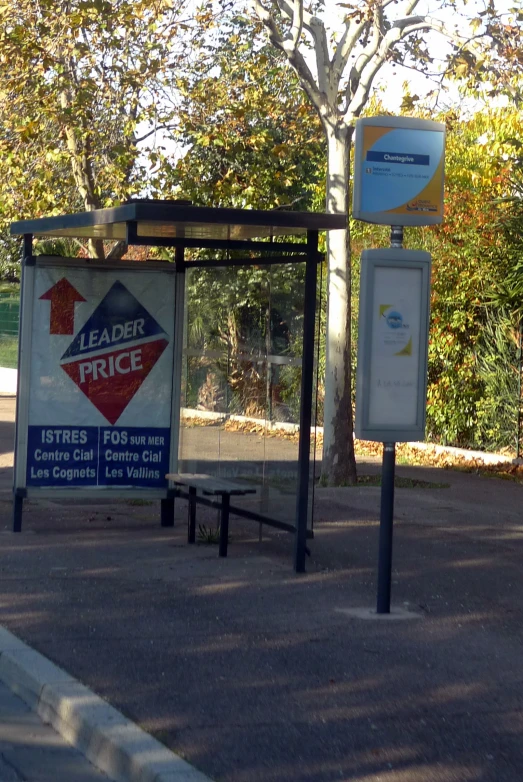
(167, 506)
(18, 500)
(386, 524)
(18, 506)
(307, 377)
(191, 516)
(268, 351)
(167, 512)
(224, 525)
(387, 495)
(520, 369)
(396, 236)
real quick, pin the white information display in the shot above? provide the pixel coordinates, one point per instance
(394, 364)
(393, 345)
(99, 380)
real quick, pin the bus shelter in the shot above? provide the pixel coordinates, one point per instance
(128, 369)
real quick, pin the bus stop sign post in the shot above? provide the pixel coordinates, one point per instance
(398, 180)
(386, 522)
(388, 472)
(391, 381)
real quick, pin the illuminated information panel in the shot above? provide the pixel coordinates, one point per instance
(399, 171)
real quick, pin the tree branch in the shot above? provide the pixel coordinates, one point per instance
(297, 22)
(316, 30)
(408, 26)
(151, 132)
(347, 43)
(321, 50)
(401, 29)
(293, 55)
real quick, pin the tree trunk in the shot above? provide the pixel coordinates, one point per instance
(78, 145)
(339, 463)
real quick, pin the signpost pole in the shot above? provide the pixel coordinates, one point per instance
(386, 523)
(399, 172)
(167, 505)
(22, 398)
(307, 375)
(387, 495)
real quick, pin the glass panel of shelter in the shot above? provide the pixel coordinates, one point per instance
(241, 381)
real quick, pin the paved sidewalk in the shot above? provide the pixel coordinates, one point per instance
(255, 674)
(34, 752)
(111, 742)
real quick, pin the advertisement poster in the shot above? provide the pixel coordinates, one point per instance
(100, 378)
(394, 366)
(399, 171)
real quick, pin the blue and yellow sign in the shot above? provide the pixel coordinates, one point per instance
(399, 171)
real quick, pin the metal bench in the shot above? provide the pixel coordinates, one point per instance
(210, 486)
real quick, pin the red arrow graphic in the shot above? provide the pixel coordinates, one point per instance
(63, 297)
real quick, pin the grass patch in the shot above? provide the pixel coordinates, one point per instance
(10, 288)
(209, 536)
(399, 483)
(139, 503)
(501, 475)
(282, 484)
(8, 352)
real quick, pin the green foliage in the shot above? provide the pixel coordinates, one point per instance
(401, 482)
(208, 535)
(10, 249)
(498, 359)
(476, 289)
(469, 262)
(9, 321)
(62, 247)
(236, 317)
(84, 88)
(499, 347)
(252, 140)
(8, 352)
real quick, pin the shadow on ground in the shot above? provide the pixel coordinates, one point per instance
(254, 673)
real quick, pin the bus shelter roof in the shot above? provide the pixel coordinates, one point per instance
(179, 220)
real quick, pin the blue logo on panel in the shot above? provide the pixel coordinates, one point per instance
(394, 320)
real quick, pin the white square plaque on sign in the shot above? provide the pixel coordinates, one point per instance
(393, 345)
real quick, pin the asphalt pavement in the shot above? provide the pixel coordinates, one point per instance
(252, 673)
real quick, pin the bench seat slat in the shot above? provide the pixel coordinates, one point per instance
(208, 484)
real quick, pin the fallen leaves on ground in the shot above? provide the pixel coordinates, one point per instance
(408, 454)
(245, 427)
(430, 456)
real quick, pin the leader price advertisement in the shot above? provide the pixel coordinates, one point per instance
(101, 378)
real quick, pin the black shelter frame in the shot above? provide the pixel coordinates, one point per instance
(181, 226)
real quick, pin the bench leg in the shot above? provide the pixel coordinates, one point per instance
(18, 505)
(167, 513)
(224, 525)
(191, 516)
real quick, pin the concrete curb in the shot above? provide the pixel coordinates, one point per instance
(111, 742)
